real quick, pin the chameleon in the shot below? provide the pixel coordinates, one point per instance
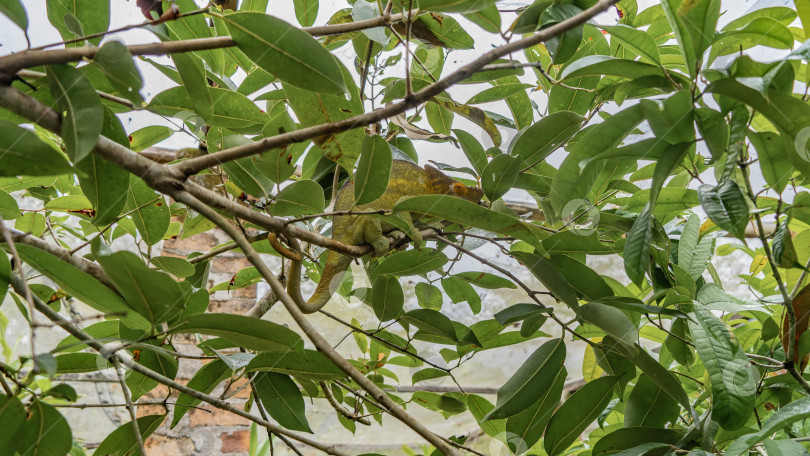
(406, 179)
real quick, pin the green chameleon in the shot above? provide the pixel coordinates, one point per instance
(406, 179)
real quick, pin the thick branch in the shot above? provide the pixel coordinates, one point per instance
(197, 164)
(311, 332)
(11, 64)
(218, 403)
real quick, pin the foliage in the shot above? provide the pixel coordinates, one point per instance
(668, 132)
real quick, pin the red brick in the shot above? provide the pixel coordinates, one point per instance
(199, 242)
(215, 417)
(160, 444)
(229, 265)
(236, 442)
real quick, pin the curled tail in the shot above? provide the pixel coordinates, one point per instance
(336, 265)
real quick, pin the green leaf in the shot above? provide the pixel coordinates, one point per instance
(148, 136)
(439, 118)
(305, 11)
(106, 187)
(470, 214)
(282, 399)
(152, 215)
(428, 296)
(733, 382)
(25, 154)
(447, 30)
(472, 149)
(153, 294)
(158, 361)
(9, 209)
(439, 402)
(101, 330)
(246, 332)
(244, 172)
(122, 440)
(544, 136)
(649, 406)
(81, 285)
(314, 108)
(306, 364)
(411, 262)
(570, 182)
(658, 373)
(584, 279)
(638, 41)
(488, 18)
(459, 291)
(5, 274)
(486, 280)
(299, 198)
(14, 10)
(629, 438)
(726, 206)
(80, 106)
(550, 277)
(453, 6)
(773, 151)
(498, 92)
(31, 223)
(115, 62)
(192, 73)
(604, 65)
(386, 297)
(289, 54)
(204, 380)
(519, 312)
(714, 130)
(93, 16)
(577, 413)
(611, 320)
(177, 267)
(373, 170)
(786, 415)
(231, 109)
(671, 120)
(79, 363)
(530, 423)
(500, 175)
(531, 381)
(762, 31)
(42, 420)
(562, 47)
(13, 416)
(430, 322)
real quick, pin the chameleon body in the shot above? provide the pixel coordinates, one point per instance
(406, 179)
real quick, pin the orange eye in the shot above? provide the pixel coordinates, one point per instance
(459, 188)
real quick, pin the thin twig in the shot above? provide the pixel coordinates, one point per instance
(26, 290)
(133, 414)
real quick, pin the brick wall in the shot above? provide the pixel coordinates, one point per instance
(205, 430)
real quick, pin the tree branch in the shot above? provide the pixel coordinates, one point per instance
(11, 64)
(311, 332)
(197, 164)
(216, 402)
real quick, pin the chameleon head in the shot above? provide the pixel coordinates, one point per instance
(446, 185)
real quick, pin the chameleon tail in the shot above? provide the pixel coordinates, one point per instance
(336, 265)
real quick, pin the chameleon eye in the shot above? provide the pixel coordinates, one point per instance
(459, 188)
